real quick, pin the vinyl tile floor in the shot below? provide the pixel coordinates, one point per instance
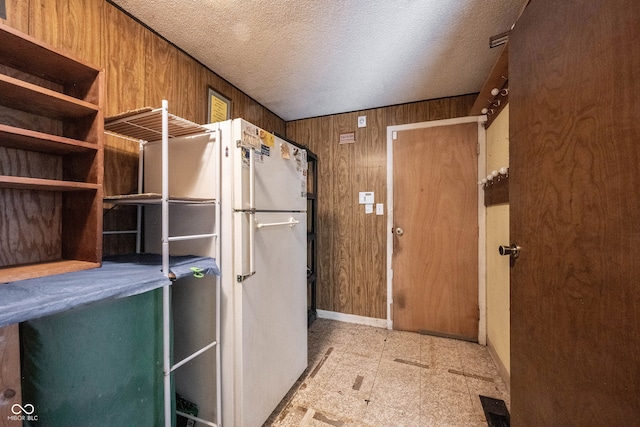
(365, 376)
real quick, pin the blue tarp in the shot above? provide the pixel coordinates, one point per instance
(119, 276)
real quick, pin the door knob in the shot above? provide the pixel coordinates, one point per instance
(513, 251)
(399, 231)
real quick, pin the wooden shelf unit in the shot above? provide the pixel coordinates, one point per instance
(51, 160)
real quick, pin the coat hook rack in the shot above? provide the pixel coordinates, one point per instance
(496, 187)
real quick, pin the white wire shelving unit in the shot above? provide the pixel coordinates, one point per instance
(146, 126)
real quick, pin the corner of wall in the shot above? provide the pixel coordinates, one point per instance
(497, 267)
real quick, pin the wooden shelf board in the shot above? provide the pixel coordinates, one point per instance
(24, 139)
(25, 61)
(31, 55)
(24, 96)
(31, 271)
(23, 183)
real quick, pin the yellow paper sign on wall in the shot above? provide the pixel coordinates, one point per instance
(219, 107)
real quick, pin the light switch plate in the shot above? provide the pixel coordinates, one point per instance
(362, 121)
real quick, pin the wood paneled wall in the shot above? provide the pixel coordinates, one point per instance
(141, 69)
(351, 244)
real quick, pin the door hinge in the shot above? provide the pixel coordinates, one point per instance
(478, 149)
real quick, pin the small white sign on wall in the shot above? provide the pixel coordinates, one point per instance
(347, 138)
(365, 197)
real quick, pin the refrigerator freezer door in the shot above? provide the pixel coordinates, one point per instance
(271, 313)
(279, 168)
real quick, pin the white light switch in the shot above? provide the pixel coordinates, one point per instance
(379, 208)
(362, 121)
(365, 197)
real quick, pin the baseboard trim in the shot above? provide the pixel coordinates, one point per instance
(352, 318)
(502, 370)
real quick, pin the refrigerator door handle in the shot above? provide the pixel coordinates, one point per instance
(292, 222)
(252, 179)
(252, 229)
(252, 251)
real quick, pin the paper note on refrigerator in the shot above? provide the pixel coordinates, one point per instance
(284, 149)
(267, 138)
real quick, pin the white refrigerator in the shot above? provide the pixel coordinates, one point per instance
(263, 263)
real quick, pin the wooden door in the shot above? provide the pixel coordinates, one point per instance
(435, 205)
(574, 77)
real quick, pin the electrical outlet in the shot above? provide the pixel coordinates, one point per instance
(362, 121)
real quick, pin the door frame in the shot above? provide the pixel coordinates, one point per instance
(391, 132)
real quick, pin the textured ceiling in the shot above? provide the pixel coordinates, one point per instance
(307, 58)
